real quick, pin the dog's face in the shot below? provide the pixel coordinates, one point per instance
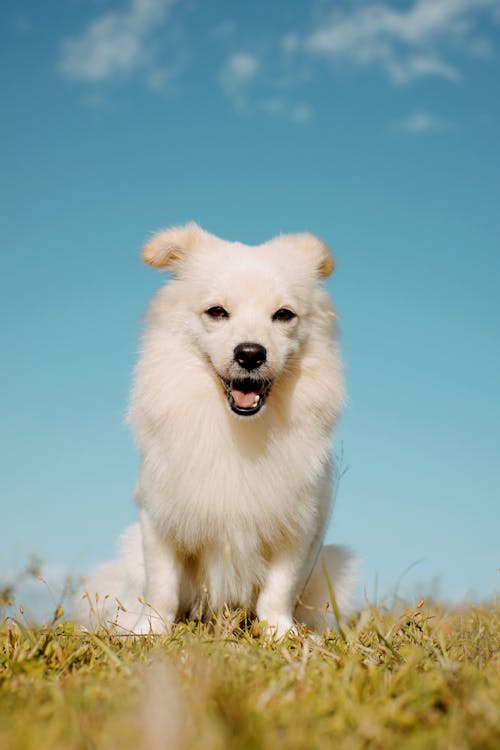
(246, 309)
(251, 327)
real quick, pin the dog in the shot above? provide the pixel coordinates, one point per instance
(237, 389)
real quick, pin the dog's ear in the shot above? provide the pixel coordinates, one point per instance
(167, 247)
(317, 250)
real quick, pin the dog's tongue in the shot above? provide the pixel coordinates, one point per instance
(243, 399)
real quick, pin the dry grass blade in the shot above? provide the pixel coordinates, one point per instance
(394, 680)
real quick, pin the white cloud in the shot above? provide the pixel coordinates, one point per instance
(420, 123)
(291, 42)
(22, 24)
(300, 113)
(406, 44)
(481, 48)
(239, 69)
(113, 43)
(224, 30)
(159, 79)
(274, 106)
(417, 39)
(416, 66)
(237, 74)
(95, 100)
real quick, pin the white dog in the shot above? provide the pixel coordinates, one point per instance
(238, 387)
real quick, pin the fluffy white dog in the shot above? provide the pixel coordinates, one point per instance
(238, 387)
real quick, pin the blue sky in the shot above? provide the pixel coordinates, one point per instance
(376, 126)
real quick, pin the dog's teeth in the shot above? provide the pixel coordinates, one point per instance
(257, 399)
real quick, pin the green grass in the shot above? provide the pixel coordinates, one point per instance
(422, 678)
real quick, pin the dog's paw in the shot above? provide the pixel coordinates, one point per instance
(278, 627)
(151, 624)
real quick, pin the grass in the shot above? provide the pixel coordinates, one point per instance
(422, 678)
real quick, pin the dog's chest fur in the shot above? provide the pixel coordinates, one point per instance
(217, 480)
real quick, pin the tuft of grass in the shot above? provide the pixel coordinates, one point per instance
(427, 677)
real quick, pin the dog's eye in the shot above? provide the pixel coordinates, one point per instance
(217, 312)
(283, 315)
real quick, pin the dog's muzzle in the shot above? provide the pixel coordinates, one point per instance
(246, 396)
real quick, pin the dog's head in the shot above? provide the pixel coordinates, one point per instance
(247, 310)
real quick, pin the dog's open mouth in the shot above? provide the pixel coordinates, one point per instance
(246, 396)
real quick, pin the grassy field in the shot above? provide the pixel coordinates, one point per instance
(422, 678)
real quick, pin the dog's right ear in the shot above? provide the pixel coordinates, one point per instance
(167, 248)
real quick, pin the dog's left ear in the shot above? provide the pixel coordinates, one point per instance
(167, 248)
(317, 250)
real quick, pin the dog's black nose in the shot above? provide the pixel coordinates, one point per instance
(249, 355)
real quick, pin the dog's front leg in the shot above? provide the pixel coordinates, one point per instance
(162, 568)
(277, 597)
